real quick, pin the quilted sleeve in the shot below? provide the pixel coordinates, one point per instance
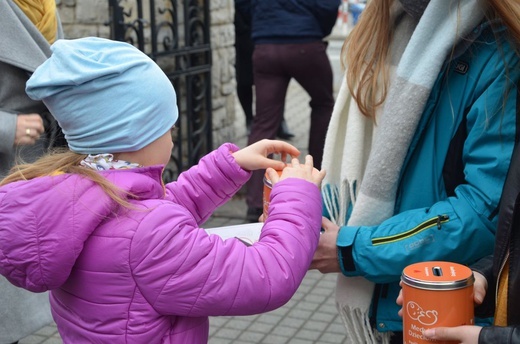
(181, 270)
(209, 184)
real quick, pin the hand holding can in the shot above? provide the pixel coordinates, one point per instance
(435, 294)
(294, 170)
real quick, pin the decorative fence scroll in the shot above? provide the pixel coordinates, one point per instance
(175, 34)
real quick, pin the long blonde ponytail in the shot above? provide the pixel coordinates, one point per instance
(364, 55)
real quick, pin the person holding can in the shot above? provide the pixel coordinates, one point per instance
(497, 279)
(417, 150)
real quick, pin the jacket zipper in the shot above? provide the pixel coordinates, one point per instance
(435, 221)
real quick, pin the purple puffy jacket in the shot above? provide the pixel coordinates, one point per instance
(150, 274)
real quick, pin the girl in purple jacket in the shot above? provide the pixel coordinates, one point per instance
(121, 253)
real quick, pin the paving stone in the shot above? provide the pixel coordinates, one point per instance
(269, 318)
(331, 338)
(261, 327)
(228, 333)
(292, 322)
(284, 331)
(299, 341)
(47, 331)
(300, 314)
(251, 336)
(308, 334)
(275, 339)
(323, 316)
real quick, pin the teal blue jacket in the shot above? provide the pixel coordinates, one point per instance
(452, 178)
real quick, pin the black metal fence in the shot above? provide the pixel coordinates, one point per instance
(175, 34)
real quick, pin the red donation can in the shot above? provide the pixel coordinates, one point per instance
(268, 185)
(435, 294)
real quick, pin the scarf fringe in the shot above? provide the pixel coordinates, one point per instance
(337, 206)
(358, 328)
(330, 194)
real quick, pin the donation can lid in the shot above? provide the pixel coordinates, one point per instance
(438, 275)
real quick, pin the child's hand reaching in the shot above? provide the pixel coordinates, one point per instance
(297, 170)
(254, 156)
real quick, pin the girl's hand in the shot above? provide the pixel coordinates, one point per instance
(254, 156)
(460, 334)
(296, 170)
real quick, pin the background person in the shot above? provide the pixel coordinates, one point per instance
(417, 150)
(26, 125)
(244, 71)
(26, 131)
(122, 254)
(289, 44)
(244, 65)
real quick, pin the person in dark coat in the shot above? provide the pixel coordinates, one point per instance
(289, 43)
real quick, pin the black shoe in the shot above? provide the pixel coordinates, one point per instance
(283, 131)
(253, 214)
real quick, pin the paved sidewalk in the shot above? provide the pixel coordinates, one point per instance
(309, 317)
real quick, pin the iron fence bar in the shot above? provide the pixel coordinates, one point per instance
(186, 63)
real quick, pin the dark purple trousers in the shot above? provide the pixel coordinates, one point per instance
(274, 65)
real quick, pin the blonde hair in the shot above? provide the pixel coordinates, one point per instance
(364, 54)
(65, 161)
(366, 49)
(508, 11)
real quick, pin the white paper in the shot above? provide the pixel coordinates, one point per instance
(248, 233)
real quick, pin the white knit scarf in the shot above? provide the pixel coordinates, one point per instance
(363, 160)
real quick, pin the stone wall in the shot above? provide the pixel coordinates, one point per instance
(90, 18)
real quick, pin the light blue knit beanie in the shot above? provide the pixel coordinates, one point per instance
(107, 96)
